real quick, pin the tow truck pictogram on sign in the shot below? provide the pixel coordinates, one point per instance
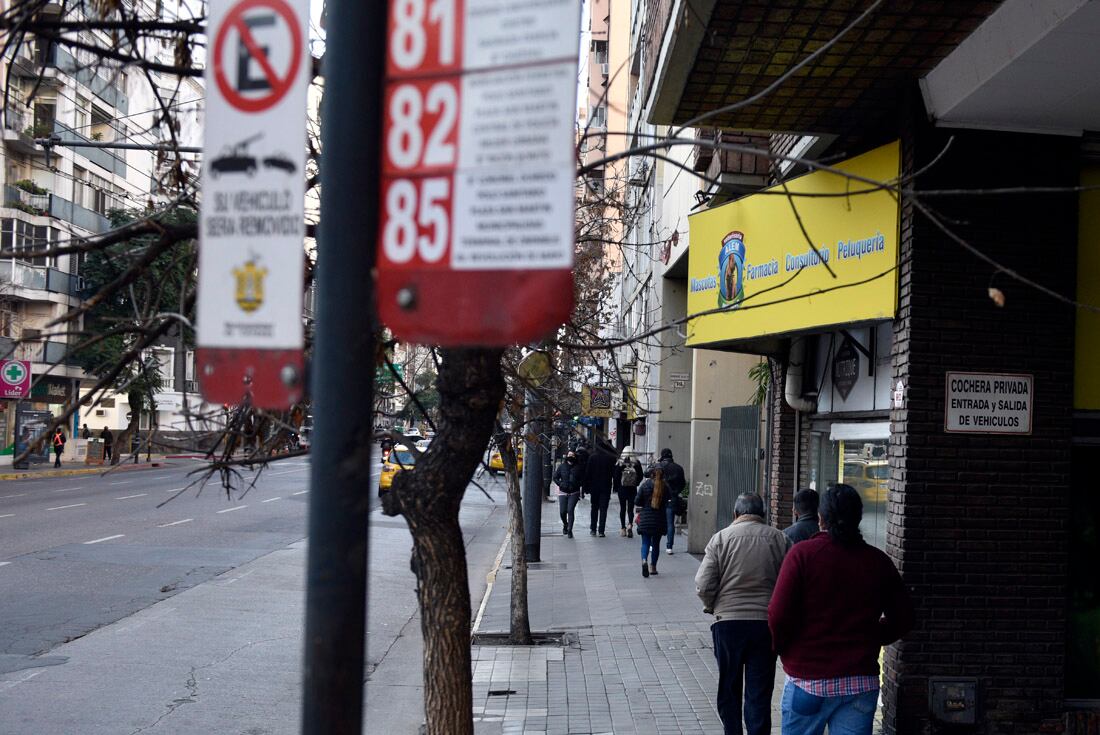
(257, 54)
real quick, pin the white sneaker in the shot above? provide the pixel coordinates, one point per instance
(668, 551)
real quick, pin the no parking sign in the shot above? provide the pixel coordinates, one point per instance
(251, 255)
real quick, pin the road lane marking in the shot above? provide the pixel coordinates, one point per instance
(273, 474)
(69, 489)
(4, 563)
(300, 492)
(175, 523)
(63, 507)
(230, 510)
(9, 684)
(269, 500)
(159, 477)
(8, 515)
(124, 482)
(176, 490)
(17, 495)
(127, 497)
(105, 538)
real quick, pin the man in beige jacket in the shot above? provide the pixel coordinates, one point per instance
(735, 583)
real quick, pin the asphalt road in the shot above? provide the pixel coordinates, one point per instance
(80, 552)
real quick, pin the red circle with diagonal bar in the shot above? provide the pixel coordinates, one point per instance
(279, 85)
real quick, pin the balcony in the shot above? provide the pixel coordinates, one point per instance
(50, 353)
(25, 201)
(82, 217)
(44, 60)
(39, 278)
(100, 156)
(19, 130)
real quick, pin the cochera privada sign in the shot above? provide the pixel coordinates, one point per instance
(989, 403)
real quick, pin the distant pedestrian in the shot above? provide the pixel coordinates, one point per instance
(653, 497)
(735, 582)
(628, 475)
(598, 474)
(838, 600)
(805, 514)
(85, 433)
(677, 481)
(58, 442)
(108, 443)
(568, 478)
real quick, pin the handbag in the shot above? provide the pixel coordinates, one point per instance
(681, 505)
(638, 518)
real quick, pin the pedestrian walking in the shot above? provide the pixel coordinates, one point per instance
(735, 582)
(653, 497)
(627, 477)
(837, 601)
(805, 513)
(58, 445)
(108, 443)
(598, 481)
(569, 481)
(677, 481)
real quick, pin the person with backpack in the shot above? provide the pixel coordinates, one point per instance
(628, 475)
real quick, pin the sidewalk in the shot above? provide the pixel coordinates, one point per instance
(70, 469)
(641, 660)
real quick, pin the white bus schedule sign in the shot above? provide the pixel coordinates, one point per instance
(989, 403)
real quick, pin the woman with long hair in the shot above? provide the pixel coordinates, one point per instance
(653, 498)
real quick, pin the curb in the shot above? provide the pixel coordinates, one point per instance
(30, 475)
(490, 580)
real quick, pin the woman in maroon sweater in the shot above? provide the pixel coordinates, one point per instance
(837, 601)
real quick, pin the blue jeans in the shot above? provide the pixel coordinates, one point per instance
(651, 547)
(806, 714)
(670, 518)
(743, 650)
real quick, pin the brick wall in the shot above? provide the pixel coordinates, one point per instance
(978, 524)
(780, 493)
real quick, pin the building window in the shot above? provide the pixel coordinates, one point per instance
(23, 237)
(599, 52)
(856, 455)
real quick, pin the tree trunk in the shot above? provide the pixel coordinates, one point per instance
(519, 622)
(429, 497)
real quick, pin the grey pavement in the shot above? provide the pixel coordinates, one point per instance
(641, 658)
(222, 655)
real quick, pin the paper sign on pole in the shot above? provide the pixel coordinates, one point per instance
(476, 237)
(251, 255)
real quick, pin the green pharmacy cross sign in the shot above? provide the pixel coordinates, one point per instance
(15, 378)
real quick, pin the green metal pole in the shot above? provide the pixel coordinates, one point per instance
(343, 360)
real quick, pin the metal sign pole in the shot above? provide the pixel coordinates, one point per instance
(343, 369)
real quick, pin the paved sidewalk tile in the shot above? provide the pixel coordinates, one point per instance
(641, 662)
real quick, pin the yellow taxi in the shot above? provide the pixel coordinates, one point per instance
(870, 477)
(398, 460)
(496, 462)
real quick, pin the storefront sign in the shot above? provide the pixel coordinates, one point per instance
(15, 378)
(596, 401)
(752, 272)
(989, 403)
(845, 368)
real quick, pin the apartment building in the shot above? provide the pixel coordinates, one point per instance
(56, 194)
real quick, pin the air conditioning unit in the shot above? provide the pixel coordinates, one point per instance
(100, 412)
(604, 69)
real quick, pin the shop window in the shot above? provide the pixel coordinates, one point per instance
(1083, 630)
(856, 455)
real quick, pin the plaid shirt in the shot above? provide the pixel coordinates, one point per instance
(840, 686)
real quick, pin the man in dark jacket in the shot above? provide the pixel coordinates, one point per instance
(597, 483)
(568, 478)
(677, 481)
(805, 513)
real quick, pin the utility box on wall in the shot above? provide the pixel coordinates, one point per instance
(953, 701)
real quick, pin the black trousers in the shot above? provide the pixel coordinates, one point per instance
(743, 650)
(567, 504)
(600, 501)
(626, 506)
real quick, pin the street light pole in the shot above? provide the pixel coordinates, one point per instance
(343, 370)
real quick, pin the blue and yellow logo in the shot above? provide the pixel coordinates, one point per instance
(731, 270)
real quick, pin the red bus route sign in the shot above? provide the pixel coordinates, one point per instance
(476, 236)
